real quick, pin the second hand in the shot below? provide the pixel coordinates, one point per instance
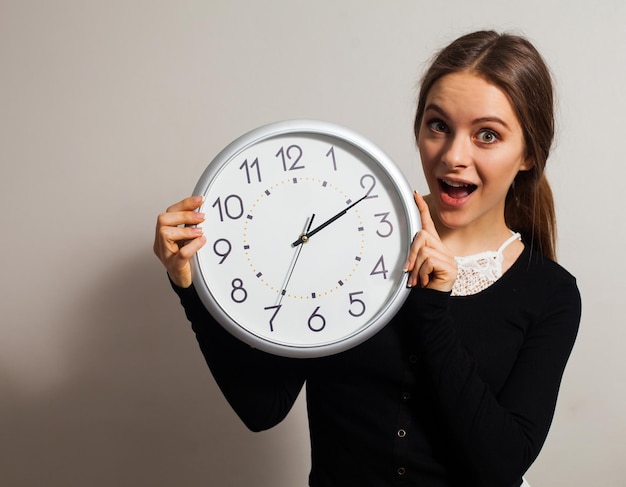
(294, 261)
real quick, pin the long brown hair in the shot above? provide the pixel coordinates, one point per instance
(513, 64)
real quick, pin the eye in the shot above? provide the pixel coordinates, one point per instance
(438, 126)
(487, 136)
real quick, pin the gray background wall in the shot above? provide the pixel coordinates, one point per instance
(109, 112)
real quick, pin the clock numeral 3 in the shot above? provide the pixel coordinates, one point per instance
(389, 226)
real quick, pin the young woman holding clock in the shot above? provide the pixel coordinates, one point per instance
(460, 387)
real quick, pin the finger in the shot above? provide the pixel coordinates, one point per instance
(188, 204)
(176, 218)
(175, 237)
(169, 240)
(425, 265)
(422, 239)
(191, 247)
(422, 206)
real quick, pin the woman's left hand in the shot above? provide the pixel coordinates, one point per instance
(430, 264)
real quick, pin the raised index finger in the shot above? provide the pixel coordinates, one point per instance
(422, 206)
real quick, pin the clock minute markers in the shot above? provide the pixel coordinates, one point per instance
(308, 234)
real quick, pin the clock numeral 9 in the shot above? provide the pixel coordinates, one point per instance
(232, 207)
(360, 305)
(316, 321)
(380, 268)
(222, 253)
(368, 182)
(289, 156)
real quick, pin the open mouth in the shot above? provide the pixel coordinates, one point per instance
(455, 189)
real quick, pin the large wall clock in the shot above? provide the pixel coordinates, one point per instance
(308, 226)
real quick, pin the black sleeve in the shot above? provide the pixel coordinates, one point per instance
(260, 387)
(498, 436)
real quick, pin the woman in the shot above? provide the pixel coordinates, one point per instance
(460, 388)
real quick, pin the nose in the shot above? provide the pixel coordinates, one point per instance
(458, 152)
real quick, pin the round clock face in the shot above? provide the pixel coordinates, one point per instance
(308, 226)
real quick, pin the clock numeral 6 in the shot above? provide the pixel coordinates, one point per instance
(316, 321)
(360, 306)
(239, 293)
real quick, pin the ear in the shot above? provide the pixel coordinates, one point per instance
(527, 164)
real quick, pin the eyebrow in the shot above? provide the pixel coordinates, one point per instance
(437, 108)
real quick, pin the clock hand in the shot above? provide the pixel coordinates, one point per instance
(294, 261)
(307, 235)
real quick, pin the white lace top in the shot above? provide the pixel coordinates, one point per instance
(479, 271)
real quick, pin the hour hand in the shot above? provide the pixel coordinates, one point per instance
(307, 235)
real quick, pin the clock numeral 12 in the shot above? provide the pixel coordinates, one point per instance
(288, 156)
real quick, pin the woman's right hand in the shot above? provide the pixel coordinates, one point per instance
(175, 243)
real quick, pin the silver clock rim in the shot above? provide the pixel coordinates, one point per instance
(309, 126)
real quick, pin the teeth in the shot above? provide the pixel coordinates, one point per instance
(456, 184)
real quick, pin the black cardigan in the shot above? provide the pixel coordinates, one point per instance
(454, 391)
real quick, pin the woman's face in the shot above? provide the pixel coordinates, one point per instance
(472, 146)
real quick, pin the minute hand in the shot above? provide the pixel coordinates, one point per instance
(306, 236)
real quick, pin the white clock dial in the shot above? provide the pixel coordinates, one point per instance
(307, 233)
